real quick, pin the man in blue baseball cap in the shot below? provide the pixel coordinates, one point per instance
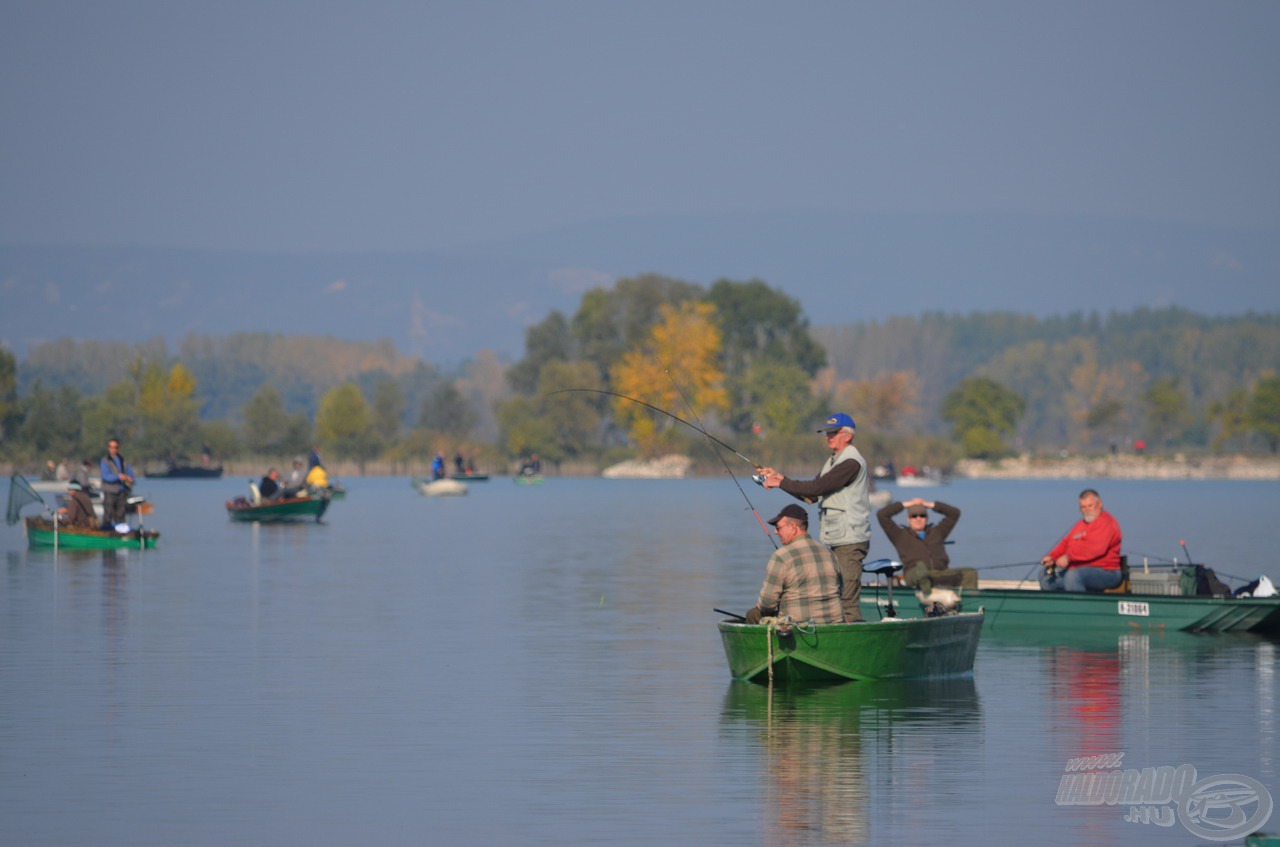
(841, 492)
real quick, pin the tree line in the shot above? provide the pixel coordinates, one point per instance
(737, 358)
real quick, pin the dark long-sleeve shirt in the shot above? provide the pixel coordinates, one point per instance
(810, 490)
(910, 546)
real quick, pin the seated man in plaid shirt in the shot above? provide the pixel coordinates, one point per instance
(802, 579)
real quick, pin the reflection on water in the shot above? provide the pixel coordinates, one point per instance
(820, 750)
(423, 670)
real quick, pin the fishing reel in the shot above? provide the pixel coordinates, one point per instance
(758, 479)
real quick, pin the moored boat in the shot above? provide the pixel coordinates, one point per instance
(43, 532)
(893, 648)
(1029, 608)
(278, 511)
(186, 472)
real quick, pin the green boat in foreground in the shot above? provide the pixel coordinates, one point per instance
(893, 648)
(1022, 608)
(42, 533)
(278, 511)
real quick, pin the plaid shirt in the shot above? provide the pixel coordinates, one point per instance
(802, 580)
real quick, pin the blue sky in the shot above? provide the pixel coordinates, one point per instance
(323, 126)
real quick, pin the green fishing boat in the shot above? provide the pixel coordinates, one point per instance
(43, 533)
(1022, 608)
(893, 648)
(277, 511)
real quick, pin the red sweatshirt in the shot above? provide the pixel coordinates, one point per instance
(1095, 545)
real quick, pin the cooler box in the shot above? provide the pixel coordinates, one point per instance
(1165, 583)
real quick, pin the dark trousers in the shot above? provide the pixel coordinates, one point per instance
(919, 576)
(850, 557)
(113, 506)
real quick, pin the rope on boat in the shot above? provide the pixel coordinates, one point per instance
(783, 625)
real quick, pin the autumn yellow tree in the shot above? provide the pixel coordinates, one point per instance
(680, 357)
(168, 412)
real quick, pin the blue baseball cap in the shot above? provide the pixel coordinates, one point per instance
(836, 421)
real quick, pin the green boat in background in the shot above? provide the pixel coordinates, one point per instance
(1028, 608)
(277, 511)
(44, 533)
(893, 648)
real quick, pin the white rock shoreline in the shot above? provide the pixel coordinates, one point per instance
(1177, 466)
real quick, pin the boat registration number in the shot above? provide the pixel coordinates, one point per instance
(1128, 607)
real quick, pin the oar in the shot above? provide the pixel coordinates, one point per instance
(734, 615)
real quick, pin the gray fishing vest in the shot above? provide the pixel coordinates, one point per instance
(846, 514)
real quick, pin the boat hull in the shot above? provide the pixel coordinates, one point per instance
(1026, 609)
(280, 511)
(898, 648)
(41, 535)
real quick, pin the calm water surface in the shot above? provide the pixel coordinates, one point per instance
(540, 665)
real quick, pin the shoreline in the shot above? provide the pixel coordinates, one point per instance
(1125, 466)
(1176, 466)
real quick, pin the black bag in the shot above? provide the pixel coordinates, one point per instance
(1206, 583)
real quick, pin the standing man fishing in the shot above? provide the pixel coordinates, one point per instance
(840, 491)
(117, 480)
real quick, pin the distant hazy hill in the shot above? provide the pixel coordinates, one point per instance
(443, 306)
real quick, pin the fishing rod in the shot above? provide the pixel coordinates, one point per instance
(1008, 565)
(755, 465)
(759, 479)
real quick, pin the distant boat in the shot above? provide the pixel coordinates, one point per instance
(441, 487)
(277, 511)
(529, 479)
(186, 472)
(471, 477)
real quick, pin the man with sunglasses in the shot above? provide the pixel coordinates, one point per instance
(841, 492)
(920, 545)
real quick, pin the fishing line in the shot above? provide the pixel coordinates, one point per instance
(663, 411)
(720, 456)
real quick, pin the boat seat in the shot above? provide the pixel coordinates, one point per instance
(1123, 587)
(255, 496)
(882, 567)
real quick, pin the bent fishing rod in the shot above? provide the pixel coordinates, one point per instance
(759, 480)
(755, 476)
(691, 426)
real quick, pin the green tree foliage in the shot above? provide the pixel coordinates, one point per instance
(10, 412)
(1231, 415)
(50, 426)
(1166, 406)
(446, 411)
(764, 336)
(557, 426)
(388, 410)
(544, 342)
(983, 414)
(1264, 411)
(168, 412)
(778, 397)
(344, 424)
(265, 423)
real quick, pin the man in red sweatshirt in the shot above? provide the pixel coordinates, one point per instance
(1088, 557)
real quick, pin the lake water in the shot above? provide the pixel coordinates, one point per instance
(540, 665)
